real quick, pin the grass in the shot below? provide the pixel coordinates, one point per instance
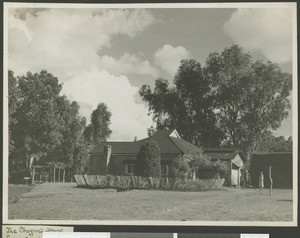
(17, 190)
(64, 201)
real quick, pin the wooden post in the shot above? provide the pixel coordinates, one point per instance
(64, 176)
(271, 180)
(54, 175)
(33, 172)
(239, 178)
(58, 175)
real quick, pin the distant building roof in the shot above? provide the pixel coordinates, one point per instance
(169, 141)
(221, 156)
(222, 153)
(272, 156)
(274, 153)
(220, 150)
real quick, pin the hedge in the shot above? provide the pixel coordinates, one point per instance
(137, 182)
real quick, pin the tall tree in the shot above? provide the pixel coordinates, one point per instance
(148, 160)
(13, 97)
(37, 131)
(252, 97)
(98, 130)
(73, 149)
(43, 123)
(187, 106)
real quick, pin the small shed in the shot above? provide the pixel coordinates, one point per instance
(233, 160)
(282, 169)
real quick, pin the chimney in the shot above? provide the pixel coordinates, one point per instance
(135, 139)
(107, 153)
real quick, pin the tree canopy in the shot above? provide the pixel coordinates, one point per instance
(45, 124)
(252, 97)
(271, 143)
(148, 160)
(98, 130)
(187, 106)
(232, 101)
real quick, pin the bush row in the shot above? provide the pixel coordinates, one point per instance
(137, 182)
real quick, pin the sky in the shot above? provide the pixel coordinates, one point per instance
(106, 55)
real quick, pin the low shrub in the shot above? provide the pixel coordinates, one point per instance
(137, 182)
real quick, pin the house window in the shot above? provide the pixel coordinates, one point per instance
(129, 168)
(165, 169)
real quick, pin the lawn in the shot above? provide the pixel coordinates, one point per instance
(64, 201)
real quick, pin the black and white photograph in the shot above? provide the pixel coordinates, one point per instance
(150, 114)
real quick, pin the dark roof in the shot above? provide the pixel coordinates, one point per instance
(186, 147)
(220, 150)
(120, 147)
(221, 155)
(273, 153)
(167, 144)
(272, 156)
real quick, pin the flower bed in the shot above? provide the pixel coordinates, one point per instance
(136, 182)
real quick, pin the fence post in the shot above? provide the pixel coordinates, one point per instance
(151, 182)
(271, 180)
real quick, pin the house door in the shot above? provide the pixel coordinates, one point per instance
(234, 177)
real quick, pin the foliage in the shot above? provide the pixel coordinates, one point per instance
(98, 130)
(13, 95)
(36, 131)
(231, 101)
(180, 167)
(73, 149)
(271, 143)
(187, 106)
(45, 125)
(148, 160)
(185, 166)
(252, 98)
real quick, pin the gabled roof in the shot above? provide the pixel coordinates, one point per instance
(169, 142)
(186, 147)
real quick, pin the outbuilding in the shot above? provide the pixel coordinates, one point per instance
(232, 158)
(281, 169)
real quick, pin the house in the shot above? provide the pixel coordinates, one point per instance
(233, 159)
(281, 169)
(119, 158)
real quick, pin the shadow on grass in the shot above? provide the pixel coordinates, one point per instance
(285, 200)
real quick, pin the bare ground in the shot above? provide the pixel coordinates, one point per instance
(67, 202)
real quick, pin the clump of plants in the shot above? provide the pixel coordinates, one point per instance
(186, 166)
(148, 160)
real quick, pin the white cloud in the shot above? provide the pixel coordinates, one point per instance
(128, 118)
(127, 64)
(67, 42)
(168, 57)
(268, 30)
